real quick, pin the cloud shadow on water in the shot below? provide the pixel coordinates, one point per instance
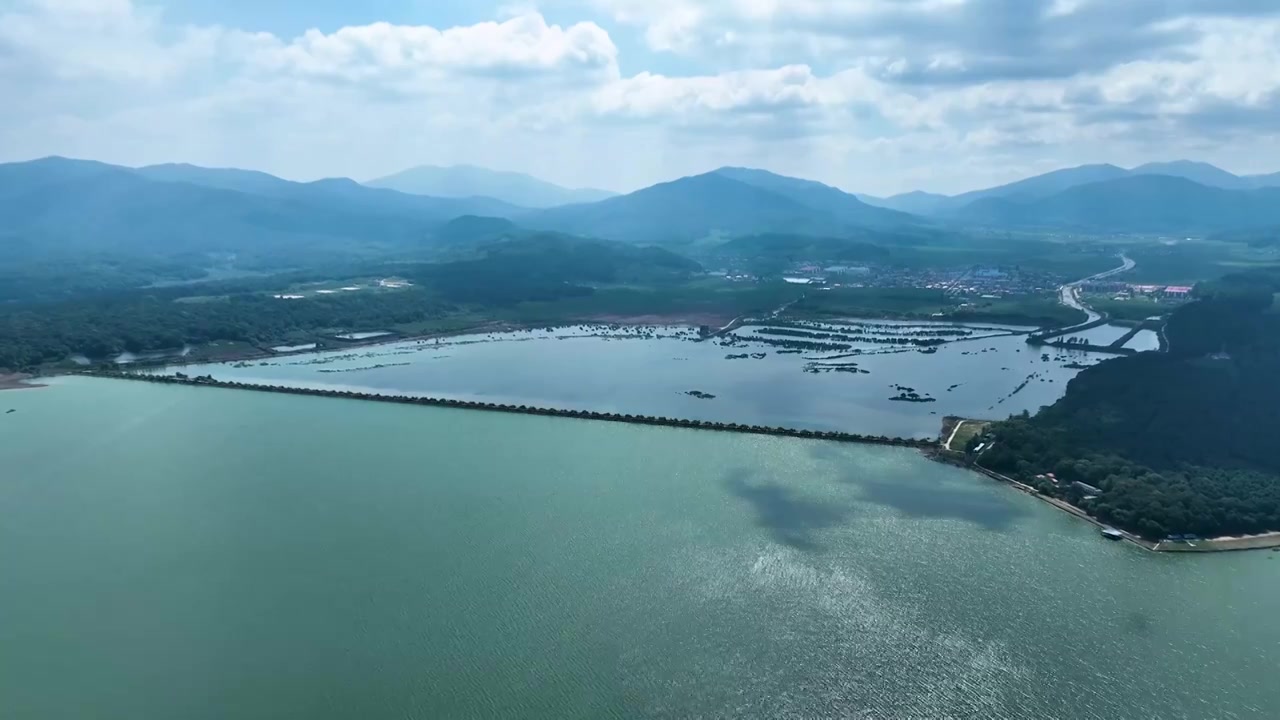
(941, 502)
(791, 519)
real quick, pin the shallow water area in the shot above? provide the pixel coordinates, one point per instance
(988, 373)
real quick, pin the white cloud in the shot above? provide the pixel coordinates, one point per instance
(802, 86)
(521, 45)
(655, 96)
(71, 40)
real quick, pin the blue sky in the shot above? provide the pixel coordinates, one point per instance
(874, 96)
(287, 19)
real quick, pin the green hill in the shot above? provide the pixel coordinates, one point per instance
(716, 204)
(1178, 442)
(537, 267)
(470, 229)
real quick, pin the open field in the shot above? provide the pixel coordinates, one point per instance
(1186, 262)
(713, 298)
(925, 304)
(966, 431)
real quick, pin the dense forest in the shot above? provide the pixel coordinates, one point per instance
(1178, 443)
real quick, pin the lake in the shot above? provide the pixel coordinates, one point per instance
(989, 374)
(183, 552)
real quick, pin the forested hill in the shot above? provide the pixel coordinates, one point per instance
(500, 275)
(1179, 442)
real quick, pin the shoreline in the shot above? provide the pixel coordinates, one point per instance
(18, 381)
(1265, 541)
(394, 338)
(931, 448)
(694, 320)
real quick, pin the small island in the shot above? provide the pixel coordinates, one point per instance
(910, 394)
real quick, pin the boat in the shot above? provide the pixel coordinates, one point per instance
(1112, 534)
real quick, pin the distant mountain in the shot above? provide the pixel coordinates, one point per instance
(916, 202)
(58, 206)
(1051, 183)
(461, 181)
(248, 181)
(1136, 204)
(680, 210)
(1044, 185)
(727, 203)
(1261, 181)
(330, 190)
(1197, 172)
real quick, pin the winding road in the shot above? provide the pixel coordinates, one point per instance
(1069, 294)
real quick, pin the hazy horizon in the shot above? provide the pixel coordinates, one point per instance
(625, 191)
(870, 96)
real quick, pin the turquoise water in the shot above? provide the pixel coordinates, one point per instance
(574, 368)
(175, 552)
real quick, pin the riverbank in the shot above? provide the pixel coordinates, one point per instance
(1222, 544)
(207, 381)
(243, 352)
(17, 381)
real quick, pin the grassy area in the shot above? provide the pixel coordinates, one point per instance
(968, 430)
(452, 323)
(1187, 262)
(714, 297)
(917, 303)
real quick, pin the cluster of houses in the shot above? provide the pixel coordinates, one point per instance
(1125, 291)
(1172, 292)
(1089, 491)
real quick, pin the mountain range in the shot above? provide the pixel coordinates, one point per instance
(62, 208)
(1058, 181)
(1137, 204)
(59, 206)
(723, 203)
(460, 181)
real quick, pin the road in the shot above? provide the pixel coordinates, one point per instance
(737, 322)
(1069, 294)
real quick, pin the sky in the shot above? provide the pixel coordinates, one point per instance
(873, 96)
